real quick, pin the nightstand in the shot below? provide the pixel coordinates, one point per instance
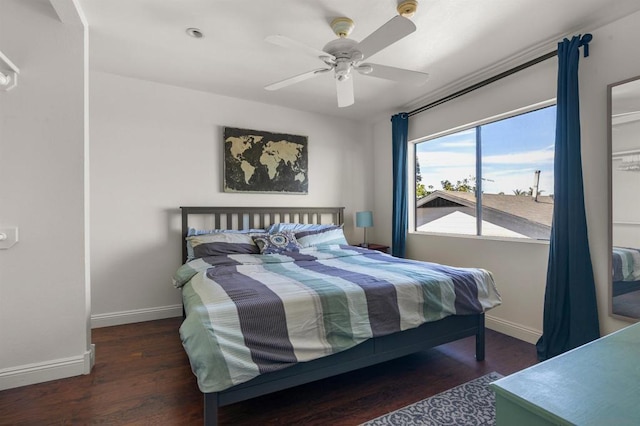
(378, 247)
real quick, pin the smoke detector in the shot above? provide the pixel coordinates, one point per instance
(195, 32)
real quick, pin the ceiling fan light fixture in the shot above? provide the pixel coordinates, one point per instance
(407, 8)
(342, 70)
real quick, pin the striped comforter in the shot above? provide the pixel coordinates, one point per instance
(251, 314)
(626, 264)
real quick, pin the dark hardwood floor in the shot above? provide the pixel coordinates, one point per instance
(142, 377)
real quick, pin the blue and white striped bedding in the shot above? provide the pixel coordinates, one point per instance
(626, 264)
(250, 314)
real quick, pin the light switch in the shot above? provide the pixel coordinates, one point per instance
(8, 237)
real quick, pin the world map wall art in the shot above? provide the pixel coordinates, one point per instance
(258, 161)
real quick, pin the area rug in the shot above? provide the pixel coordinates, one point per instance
(471, 403)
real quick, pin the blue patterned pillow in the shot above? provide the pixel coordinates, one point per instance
(277, 242)
(321, 237)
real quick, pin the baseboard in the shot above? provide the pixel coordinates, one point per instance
(135, 315)
(40, 372)
(512, 329)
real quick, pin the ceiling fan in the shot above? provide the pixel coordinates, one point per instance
(344, 55)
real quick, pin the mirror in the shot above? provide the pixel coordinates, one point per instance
(624, 145)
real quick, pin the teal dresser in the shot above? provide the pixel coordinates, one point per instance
(595, 384)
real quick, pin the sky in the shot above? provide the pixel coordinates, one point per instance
(512, 150)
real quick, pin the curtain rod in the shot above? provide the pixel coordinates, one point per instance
(483, 83)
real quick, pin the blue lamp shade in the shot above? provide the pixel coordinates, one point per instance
(364, 219)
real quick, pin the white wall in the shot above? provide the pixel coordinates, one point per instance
(156, 147)
(520, 268)
(43, 290)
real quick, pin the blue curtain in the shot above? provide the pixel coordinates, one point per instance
(570, 308)
(399, 128)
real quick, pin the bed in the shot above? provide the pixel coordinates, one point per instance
(626, 270)
(308, 334)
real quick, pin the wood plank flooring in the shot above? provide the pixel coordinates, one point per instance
(142, 377)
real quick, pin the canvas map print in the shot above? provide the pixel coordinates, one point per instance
(259, 161)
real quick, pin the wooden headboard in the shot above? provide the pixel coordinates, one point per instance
(238, 218)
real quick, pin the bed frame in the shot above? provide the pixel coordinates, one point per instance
(370, 352)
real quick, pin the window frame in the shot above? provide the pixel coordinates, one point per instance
(411, 163)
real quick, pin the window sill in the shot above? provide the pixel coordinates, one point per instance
(481, 237)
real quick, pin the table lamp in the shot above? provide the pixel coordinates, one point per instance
(364, 220)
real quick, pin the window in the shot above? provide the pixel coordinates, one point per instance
(495, 179)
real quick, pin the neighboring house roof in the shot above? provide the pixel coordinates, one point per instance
(525, 207)
(458, 222)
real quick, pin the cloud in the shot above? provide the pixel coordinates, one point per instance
(469, 143)
(453, 158)
(447, 159)
(526, 157)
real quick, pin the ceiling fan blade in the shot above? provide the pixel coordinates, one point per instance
(283, 41)
(397, 74)
(395, 29)
(296, 79)
(345, 92)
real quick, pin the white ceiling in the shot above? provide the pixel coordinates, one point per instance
(457, 42)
